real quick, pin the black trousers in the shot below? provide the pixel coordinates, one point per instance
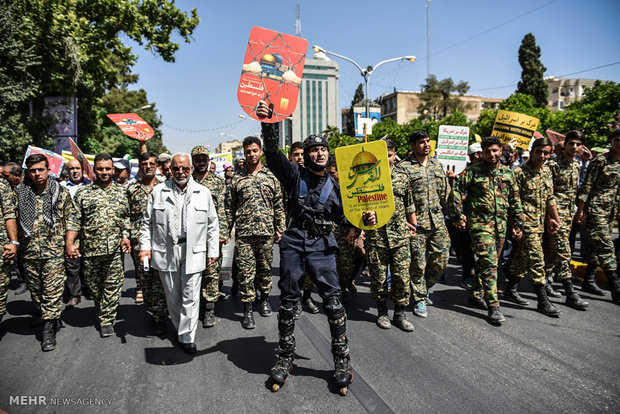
(74, 276)
(321, 268)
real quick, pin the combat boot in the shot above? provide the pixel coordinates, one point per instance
(209, 318)
(544, 306)
(400, 319)
(552, 293)
(476, 302)
(48, 337)
(613, 284)
(589, 285)
(572, 298)
(297, 310)
(264, 306)
(511, 293)
(383, 321)
(307, 301)
(248, 316)
(494, 316)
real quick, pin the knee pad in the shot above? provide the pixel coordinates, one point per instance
(337, 317)
(286, 319)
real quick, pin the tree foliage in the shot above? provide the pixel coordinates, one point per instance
(349, 127)
(438, 98)
(532, 82)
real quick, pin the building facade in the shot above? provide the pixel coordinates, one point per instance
(317, 107)
(229, 146)
(563, 91)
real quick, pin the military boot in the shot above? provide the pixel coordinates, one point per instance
(209, 318)
(476, 302)
(48, 337)
(589, 285)
(383, 321)
(494, 316)
(544, 306)
(552, 293)
(400, 319)
(264, 306)
(613, 284)
(306, 299)
(572, 298)
(248, 316)
(511, 293)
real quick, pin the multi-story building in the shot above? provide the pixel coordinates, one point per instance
(229, 146)
(563, 91)
(317, 107)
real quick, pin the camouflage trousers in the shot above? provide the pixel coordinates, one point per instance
(254, 258)
(345, 261)
(603, 253)
(398, 259)
(487, 247)
(430, 250)
(46, 281)
(558, 252)
(5, 279)
(528, 258)
(104, 276)
(211, 280)
(151, 286)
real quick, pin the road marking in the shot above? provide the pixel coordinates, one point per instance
(364, 393)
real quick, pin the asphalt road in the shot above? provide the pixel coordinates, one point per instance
(454, 361)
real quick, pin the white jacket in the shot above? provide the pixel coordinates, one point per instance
(203, 233)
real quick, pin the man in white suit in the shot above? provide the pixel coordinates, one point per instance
(179, 231)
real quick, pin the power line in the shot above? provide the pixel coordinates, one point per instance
(200, 131)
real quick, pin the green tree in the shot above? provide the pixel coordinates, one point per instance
(517, 102)
(349, 127)
(532, 82)
(439, 98)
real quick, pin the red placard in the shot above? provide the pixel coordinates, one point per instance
(79, 155)
(54, 160)
(272, 71)
(133, 126)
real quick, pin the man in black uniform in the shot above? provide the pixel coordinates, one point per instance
(308, 245)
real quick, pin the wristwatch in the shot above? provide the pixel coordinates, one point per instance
(16, 243)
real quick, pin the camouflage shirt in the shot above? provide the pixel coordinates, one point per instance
(492, 198)
(600, 190)
(395, 232)
(565, 175)
(46, 242)
(138, 196)
(536, 190)
(8, 206)
(255, 204)
(101, 215)
(216, 185)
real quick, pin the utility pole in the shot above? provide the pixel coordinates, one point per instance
(428, 38)
(298, 22)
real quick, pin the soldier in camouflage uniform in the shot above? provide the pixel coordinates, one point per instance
(536, 189)
(256, 208)
(149, 281)
(565, 172)
(598, 203)
(43, 209)
(8, 239)
(100, 213)
(389, 246)
(488, 192)
(431, 244)
(211, 275)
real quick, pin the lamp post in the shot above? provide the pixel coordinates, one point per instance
(149, 106)
(366, 73)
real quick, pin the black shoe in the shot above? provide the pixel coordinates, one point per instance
(264, 307)
(544, 306)
(248, 316)
(552, 293)
(511, 294)
(21, 289)
(310, 306)
(613, 285)
(297, 311)
(189, 348)
(159, 328)
(400, 319)
(495, 316)
(280, 371)
(589, 284)
(574, 301)
(477, 303)
(48, 338)
(106, 331)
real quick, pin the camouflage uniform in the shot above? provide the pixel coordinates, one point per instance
(101, 215)
(211, 275)
(492, 197)
(565, 182)
(149, 282)
(44, 255)
(431, 244)
(8, 208)
(255, 207)
(601, 195)
(345, 258)
(536, 190)
(389, 246)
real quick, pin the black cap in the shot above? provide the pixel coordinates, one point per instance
(315, 140)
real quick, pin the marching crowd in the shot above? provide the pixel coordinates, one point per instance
(65, 238)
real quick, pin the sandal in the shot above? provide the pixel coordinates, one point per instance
(139, 296)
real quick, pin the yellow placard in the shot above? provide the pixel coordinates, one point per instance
(510, 125)
(365, 182)
(433, 148)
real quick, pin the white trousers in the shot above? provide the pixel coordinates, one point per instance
(182, 296)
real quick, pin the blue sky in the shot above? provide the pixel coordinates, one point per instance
(471, 40)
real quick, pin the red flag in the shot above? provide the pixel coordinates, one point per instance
(554, 136)
(79, 155)
(133, 126)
